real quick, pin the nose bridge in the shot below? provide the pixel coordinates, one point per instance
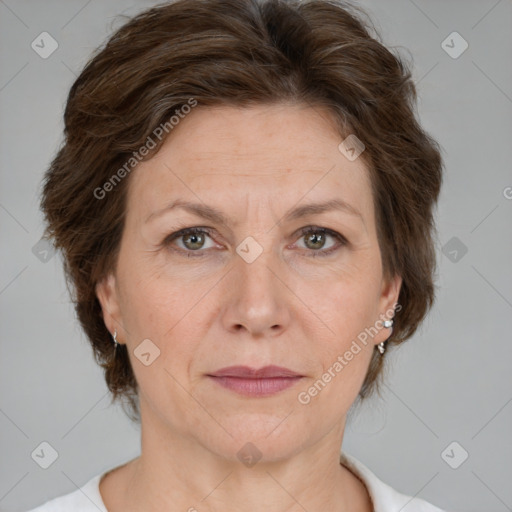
(255, 257)
(257, 300)
(258, 250)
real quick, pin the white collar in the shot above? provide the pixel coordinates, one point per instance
(384, 497)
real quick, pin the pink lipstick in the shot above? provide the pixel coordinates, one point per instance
(253, 382)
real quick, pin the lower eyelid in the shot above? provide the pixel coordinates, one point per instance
(334, 236)
(338, 237)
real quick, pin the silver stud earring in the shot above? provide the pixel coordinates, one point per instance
(382, 346)
(115, 342)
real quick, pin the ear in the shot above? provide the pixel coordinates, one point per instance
(108, 296)
(390, 292)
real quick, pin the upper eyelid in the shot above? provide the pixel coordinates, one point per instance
(300, 232)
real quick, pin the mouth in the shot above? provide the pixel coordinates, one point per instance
(247, 381)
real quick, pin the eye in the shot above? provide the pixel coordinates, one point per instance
(315, 237)
(193, 239)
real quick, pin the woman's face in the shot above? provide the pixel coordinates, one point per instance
(254, 290)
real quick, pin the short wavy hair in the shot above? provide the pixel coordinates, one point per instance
(321, 53)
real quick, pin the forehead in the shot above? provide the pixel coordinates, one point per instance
(262, 154)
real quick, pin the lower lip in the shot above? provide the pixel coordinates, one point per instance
(256, 387)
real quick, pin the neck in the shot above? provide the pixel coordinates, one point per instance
(174, 472)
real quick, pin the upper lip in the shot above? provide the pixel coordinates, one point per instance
(255, 373)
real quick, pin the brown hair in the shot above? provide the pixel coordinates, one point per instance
(239, 52)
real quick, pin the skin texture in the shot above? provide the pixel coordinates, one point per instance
(285, 308)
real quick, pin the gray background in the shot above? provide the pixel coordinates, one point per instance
(450, 383)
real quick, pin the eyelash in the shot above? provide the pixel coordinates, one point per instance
(303, 232)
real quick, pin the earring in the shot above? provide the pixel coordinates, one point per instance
(115, 341)
(382, 346)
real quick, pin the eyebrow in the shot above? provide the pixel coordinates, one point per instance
(209, 213)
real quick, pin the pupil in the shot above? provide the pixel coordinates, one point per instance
(315, 237)
(194, 238)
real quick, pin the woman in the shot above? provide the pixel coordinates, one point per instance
(244, 203)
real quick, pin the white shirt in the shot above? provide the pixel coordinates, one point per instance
(384, 498)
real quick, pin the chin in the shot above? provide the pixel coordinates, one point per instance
(257, 437)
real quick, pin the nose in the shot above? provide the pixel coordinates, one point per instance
(257, 299)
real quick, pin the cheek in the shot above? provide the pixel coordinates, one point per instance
(172, 311)
(348, 308)
(347, 303)
(343, 359)
(154, 312)
(154, 299)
